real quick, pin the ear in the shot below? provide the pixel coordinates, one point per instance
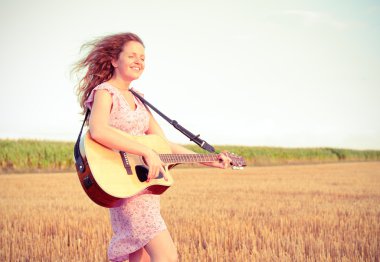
(114, 63)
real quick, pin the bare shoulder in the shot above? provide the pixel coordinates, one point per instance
(102, 98)
(102, 94)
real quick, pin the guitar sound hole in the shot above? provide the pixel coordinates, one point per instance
(142, 173)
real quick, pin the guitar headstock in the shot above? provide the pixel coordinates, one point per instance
(237, 162)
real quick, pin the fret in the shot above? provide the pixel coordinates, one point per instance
(188, 158)
(164, 158)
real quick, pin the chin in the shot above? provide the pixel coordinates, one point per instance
(132, 78)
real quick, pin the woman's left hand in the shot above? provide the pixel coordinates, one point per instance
(224, 161)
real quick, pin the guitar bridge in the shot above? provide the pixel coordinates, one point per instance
(126, 163)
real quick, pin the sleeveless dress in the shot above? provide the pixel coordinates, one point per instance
(138, 219)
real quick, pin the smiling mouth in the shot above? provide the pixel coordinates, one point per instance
(136, 68)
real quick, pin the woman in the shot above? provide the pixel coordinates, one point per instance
(113, 62)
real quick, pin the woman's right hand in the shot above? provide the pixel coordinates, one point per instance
(155, 165)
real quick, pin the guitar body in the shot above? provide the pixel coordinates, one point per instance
(110, 176)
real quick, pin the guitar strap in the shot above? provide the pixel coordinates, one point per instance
(80, 165)
(195, 138)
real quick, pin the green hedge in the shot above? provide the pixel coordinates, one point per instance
(33, 155)
(279, 155)
(46, 156)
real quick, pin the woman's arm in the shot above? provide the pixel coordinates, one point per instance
(111, 137)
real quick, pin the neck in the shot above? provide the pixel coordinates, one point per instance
(119, 83)
(187, 158)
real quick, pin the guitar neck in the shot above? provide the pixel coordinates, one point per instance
(187, 158)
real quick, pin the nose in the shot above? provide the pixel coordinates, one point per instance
(139, 60)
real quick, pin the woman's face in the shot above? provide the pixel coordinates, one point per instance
(131, 62)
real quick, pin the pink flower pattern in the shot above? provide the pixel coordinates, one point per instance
(138, 219)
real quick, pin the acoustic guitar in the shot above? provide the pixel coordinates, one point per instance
(109, 176)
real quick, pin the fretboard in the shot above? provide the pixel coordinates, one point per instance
(187, 158)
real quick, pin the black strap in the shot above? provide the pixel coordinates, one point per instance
(77, 155)
(195, 138)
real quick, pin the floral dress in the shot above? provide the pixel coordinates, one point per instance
(138, 219)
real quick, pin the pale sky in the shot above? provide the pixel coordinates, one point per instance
(256, 73)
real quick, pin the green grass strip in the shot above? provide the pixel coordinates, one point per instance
(23, 155)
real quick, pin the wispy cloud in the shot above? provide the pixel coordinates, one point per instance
(314, 18)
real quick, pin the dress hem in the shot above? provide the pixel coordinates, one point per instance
(126, 257)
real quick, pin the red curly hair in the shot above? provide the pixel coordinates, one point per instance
(97, 64)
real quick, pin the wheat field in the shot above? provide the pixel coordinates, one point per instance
(328, 212)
